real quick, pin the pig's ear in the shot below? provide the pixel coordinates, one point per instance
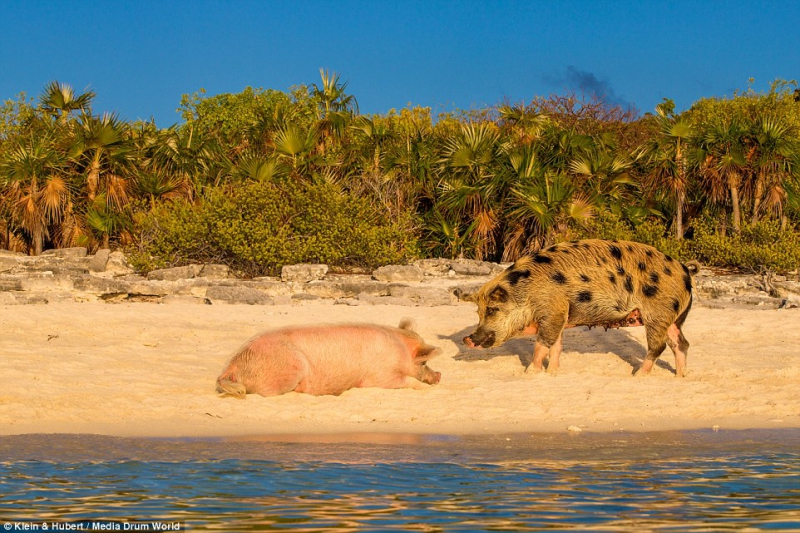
(407, 324)
(426, 352)
(471, 297)
(498, 295)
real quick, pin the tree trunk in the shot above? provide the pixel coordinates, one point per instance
(737, 210)
(38, 241)
(679, 216)
(758, 192)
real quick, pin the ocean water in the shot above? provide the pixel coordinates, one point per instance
(676, 481)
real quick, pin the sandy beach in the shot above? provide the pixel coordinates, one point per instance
(149, 370)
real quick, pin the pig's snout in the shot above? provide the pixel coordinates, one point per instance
(435, 378)
(480, 339)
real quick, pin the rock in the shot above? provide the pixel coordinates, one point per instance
(101, 286)
(303, 273)
(268, 286)
(393, 273)
(172, 274)
(170, 299)
(467, 289)
(305, 297)
(385, 300)
(10, 284)
(66, 253)
(7, 298)
(214, 271)
(423, 295)
(99, 260)
(434, 267)
(8, 263)
(236, 295)
(117, 265)
(471, 268)
(345, 289)
(46, 281)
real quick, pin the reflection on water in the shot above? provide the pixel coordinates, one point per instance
(632, 482)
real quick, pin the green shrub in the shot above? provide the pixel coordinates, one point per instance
(257, 228)
(759, 246)
(606, 225)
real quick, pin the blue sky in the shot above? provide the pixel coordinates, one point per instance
(141, 56)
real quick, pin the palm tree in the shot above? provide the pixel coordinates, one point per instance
(331, 95)
(722, 163)
(192, 161)
(35, 187)
(524, 125)
(60, 100)
(295, 146)
(471, 188)
(666, 158)
(104, 151)
(253, 166)
(774, 145)
(541, 205)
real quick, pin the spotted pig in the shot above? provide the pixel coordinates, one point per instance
(588, 283)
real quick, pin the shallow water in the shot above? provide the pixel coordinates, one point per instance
(677, 481)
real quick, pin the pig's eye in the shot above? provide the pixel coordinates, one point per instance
(491, 311)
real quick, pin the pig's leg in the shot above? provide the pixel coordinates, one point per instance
(656, 344)
(548, 342)
(285, 373)
(555, 353)
(540, 352)
(409, 382)
(680, 347)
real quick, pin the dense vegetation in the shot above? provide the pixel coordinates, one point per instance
(263, 178)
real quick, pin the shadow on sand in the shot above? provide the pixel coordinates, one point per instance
(617, 341)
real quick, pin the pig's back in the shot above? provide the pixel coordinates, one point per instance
(342, 357)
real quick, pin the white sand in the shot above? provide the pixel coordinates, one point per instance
(149, 370)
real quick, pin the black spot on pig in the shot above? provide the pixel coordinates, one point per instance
(515, 275)
(620, 270)
(676, 305)
(642, 266)
(585, 278)
(667, 271)
(542, 259)
(559, 278)
(584, 296)
(649, 290)
(612, 278)
(616, 253)
(628, 283)
(654, 278)
(687, 282)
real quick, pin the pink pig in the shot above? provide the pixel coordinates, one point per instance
(329, 360)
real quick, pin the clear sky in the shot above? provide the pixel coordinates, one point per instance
(141, 56)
